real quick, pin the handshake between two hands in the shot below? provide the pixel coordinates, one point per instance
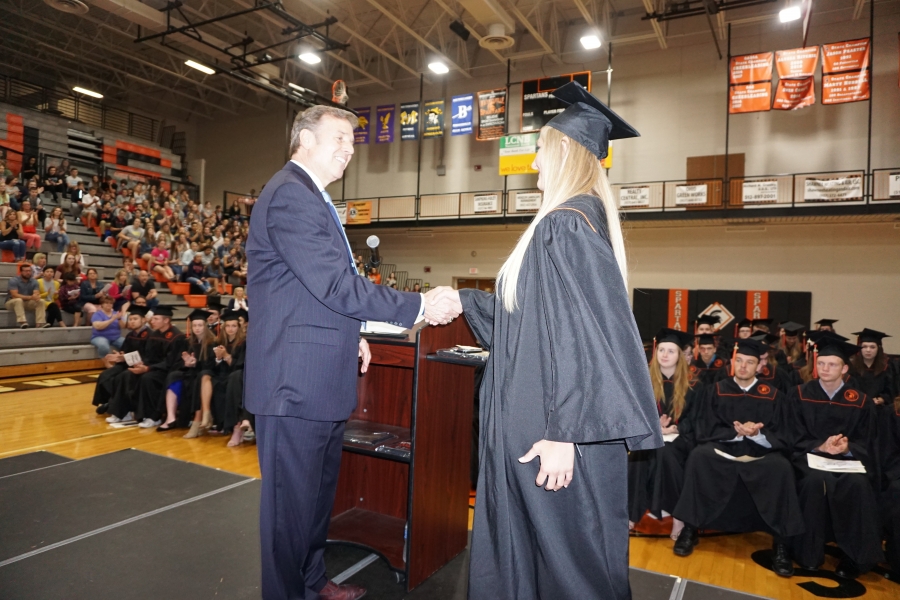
(442, 305)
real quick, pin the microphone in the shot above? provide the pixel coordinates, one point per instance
(375, 258)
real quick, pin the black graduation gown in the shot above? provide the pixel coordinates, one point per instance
(126, 394)
(847, 512)
(189, 400)
(655, 477)
(720, 493)
(889, 438)
(709, 374)
(568, 366)
(166, 347)
(777, 377)
(106, 382)
(874, 385)
(224, 414)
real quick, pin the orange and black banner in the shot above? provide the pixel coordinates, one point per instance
(491, 115)
(846, 71)
(792, 94)
(678, 310)
(750, 83)
(757, 304)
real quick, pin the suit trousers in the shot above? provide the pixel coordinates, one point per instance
(299, 461)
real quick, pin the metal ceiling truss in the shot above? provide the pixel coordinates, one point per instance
(695, 8)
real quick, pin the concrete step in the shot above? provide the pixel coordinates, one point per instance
(42, 338)
(10, 269)
(8, 319)
(91, 260)
(29, 356)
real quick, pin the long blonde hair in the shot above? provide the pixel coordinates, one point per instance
(565, 174)
(681, 382)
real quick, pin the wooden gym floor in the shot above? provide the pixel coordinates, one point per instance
(57, 416)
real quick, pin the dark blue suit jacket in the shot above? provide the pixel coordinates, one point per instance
(303, 344)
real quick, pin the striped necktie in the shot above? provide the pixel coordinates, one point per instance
(337, 221)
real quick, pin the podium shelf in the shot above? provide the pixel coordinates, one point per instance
(369, 428)
(381, 533)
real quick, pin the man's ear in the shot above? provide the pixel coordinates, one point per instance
(845, 369)
(307, 138)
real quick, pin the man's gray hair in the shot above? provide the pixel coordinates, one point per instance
(309, 119)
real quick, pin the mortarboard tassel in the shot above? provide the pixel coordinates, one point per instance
(815, 368)
(733, 356)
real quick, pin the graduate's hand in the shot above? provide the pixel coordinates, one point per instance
(665, 421)
(557, 463)
(139, 369)
(670, 429)
(365, 354)
(842, 445)
(442, 305)
(219, 352)
(831, 445)
(878, 400)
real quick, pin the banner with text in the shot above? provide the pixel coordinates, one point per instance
(538, 106)
(678, 310)
(750, 83)
(385, 127)
(845, 87)
(491, 115)
(894, 185)
(792, 94)
(833, 189)
(845, 71)
(359, 213)
(797, 63)
(687, 195)
(434, 118)
(757, 304)
(517, 152)
(461, 114)
(852, 55)
(637, 196)
(361, 133)
(755, 192)
(530, 201)
(409, 121)
(486, 203)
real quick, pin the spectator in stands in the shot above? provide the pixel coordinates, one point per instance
(195, 273)
(229, 263)
(23, 293)
(208, 210)
(75, 250)
(391, 280)
(123, 197)
(69, 293)
(49, 289)
(131, 237)
(37, 204)
(29, 221)
(143, 287)
(159, 261)
(87, 207)
(64, 167)
(239, 301)
(55, 229)
(12, 188)
(72, 183)
(54, 184)
(40, 263)
(207, 255)
(139, 194)
(92, 292)
(240, 271)
(187, 257)
(106, 327)
(70, 265)
(215, 275)
(120, 289)
(10, 235)
(4, 200)
(164, 233)
(4, 172)
(128, 267)
(118, 222)
(29, 169)
(417, 288)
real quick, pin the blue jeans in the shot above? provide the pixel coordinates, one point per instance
(199, 283)
(61, 239)
(104, 346)
(17, 247)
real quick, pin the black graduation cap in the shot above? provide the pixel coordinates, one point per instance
(870, 335)
(163, 310)
(745, 323)
(215, 305)
(708, 320)
(826, 322)
(792, 329)
(680, 338)
(588, 121)
(199, 314)
(765, 338)
(751, 347)
(141, 311)
(815, 337)
(234, 315)
(764, 322)
(832, 347)
(706, 339)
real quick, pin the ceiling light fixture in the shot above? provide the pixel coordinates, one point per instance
(202, 68)
(90, 93)
(310, 58)
(791, 13)
(439, 67)
(591, 41)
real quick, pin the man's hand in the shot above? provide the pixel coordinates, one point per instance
(365, 354)
(139, 369)
(442, 305)
(748, 429)
(833, 445)
(557, 463)
(115, 357)
(842, 446)
(878, 400)
(151, 294)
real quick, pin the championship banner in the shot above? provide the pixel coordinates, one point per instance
(678, 310)
(852, 55)
(409, 121)
(359, 213)
(491, 115)
(845, 87)
(361, 133)
(538, 107)
(792, 94)
(798, 63)
(384, 130)
(434, 118)
(757, 304)
(833, 188)
(461, 110)
(517, 152)
(750, 68)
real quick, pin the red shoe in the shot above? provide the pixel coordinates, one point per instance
(348, 591)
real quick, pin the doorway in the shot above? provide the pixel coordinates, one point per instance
(485, 284)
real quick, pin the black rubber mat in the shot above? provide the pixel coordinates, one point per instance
(701, 591)
(649, 585)
(48, 506)
(29, 462)
(204, 549)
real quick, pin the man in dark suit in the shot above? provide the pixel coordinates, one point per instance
(303, 351)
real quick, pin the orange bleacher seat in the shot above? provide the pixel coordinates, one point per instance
(97, 230)
(179, 289)
(196, 301)
(112, 242)
(126, 252)
(141, 263)
(7, 256)
(228, 288)
(159, 277)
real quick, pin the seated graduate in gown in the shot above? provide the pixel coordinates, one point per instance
(769, 370)
(889, 441)
(708, 367)
(739, 478)
(833, 420)
(655, 477)
(566, 382)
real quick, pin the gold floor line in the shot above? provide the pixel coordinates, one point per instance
(78, 439)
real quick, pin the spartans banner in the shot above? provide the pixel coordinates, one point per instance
(384, 129)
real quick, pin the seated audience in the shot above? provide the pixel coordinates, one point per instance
(69, 296)
(107, 324)
(92, 292)
(23, 294)
(29, 221)
(144, 287)
(120, 289)
(238, 301)
(195, 274)
(11, 235)
(55, 229)
(49, 288)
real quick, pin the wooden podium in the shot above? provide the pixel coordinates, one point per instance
(412, 392)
